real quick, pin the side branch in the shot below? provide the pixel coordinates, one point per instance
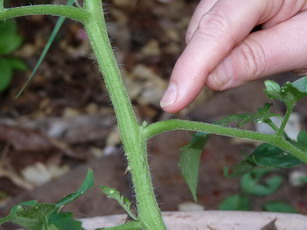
(285, 120)
(74, 13)
(165, 126)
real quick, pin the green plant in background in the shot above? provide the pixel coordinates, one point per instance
(10, 41)
(46, 48)
(41, 216)
(278, 151)
(260, 182)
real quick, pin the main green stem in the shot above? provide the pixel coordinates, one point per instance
(131, 132)
(132, 135)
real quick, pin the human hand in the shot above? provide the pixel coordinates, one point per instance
(222, 53)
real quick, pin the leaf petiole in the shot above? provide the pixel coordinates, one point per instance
(285, 120)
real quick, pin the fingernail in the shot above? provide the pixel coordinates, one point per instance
(170, 95)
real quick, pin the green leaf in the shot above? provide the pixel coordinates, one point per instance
(267, 155)
(37, 216)
(273, 90)
(302, 180)
(235, 202)
(87, 184)
(10, 40)
(9, 43)
(46, 48)
(253, 183)
(262, 115)
(17, 64)
(233, 118)
(122, 201)
(279, 206)
(301, 142)
(302, 138)
(36, 211)
(301, 85)
(189, 161)
(240, 169)
(8, 26)
(290, 93)
(64, 221)
(28, 203)
(6, 74)
(30, 215)
(3, 220)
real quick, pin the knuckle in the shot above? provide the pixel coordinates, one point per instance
(253, 59)
(292, 6)
(213, 25)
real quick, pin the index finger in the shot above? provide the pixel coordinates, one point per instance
(226, 24)
(203, 7)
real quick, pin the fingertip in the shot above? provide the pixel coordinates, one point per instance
(174, 108)
(169, 102)
(170, 96)
(171, 110)
(179, 95)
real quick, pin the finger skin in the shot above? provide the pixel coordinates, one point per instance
(264, 53)
(203, 7)
(221, 29)
(288, 9)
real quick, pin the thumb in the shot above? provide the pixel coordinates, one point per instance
(278, 49)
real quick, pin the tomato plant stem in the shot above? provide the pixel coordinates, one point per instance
(131, 132)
